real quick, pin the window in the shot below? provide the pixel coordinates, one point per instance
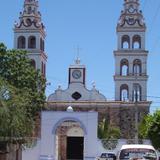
(21, 42)
(125, 42)
(33, 63)
(136, 42)
(124, 92)
(29, 10)
(32, 42)
(76, 96)
(42, 68)
(41, 44)
(124, 67)
(137, 67)
(136, 92)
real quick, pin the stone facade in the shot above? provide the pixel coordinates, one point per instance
(130, 78)
(119, 114)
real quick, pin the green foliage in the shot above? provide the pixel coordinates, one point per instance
(103, 129)
(150, 128)
(15, 121)
(106, 131)
(22, 94)
(16, 69)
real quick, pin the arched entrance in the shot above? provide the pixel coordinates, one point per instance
(70, 140)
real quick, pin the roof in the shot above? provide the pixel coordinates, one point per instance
(142, 146)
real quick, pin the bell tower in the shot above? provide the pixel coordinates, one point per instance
(29, 35)
(131, 56)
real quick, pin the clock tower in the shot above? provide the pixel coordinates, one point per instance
(77, 73)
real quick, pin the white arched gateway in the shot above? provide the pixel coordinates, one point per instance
(66, 135)
(69, 139)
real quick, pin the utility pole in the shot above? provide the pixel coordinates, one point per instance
(136, 115)
(136, 106)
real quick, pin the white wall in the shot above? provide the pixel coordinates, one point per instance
(46, 148)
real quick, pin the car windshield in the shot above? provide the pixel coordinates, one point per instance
(108, 155)
(135, 154)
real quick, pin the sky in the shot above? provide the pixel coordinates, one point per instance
(91, 25)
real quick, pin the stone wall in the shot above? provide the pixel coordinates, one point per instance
(119, 114)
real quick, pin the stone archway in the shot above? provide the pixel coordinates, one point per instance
(69, 135)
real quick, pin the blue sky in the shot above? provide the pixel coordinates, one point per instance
(91, 25)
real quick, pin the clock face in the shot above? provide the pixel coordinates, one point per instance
(76, 74)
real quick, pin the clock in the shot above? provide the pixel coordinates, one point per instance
(76, 74)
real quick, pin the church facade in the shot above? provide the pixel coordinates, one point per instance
(130, 104)
(62, 126)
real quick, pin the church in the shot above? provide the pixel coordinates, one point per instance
(69, 126)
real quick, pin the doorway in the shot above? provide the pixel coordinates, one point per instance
(75, 147)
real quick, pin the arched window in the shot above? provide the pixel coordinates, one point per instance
(42, 68)
(124, 92)
(137, 92)
(124, 67)
(125, 42)
(32, 42)
(29, 10)
(41, 44)
(137, 67)
(33, 63)
(21, 42)
(136, 42)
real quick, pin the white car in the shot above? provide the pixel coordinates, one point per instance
(137, 152)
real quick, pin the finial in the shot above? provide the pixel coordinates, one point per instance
(78, 49)
(59, 87)
(77, 61)
(94, 85)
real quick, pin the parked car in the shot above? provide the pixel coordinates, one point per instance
(159, 154)
(107, 156)
(137, 152)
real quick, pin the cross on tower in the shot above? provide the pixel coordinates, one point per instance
(78, 49)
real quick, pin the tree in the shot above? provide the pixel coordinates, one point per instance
(15, 121)
(16, 69)
(106, 131)
(22, 96)
(108, 134)
(150, 128)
